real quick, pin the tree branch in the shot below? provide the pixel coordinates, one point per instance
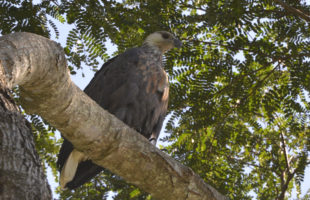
(284, 186)
(38, 66)
(293, 10)
(285, 153)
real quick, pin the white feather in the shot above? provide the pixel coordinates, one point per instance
(69, 169)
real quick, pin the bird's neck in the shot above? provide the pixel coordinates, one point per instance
(152, 49)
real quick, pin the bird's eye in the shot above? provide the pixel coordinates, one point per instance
(165, 35)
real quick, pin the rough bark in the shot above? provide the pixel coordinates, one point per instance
(38, 66)
(21, 173)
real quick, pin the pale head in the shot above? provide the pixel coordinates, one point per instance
(163, 40)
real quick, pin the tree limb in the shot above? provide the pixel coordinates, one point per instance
(21, 172)
(285, 153)
(38, 66)
(293, 10)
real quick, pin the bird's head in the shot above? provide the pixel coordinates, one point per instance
(162, 40)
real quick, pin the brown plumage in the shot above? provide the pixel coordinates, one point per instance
(134, 87)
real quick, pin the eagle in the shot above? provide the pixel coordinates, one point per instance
(134, 87)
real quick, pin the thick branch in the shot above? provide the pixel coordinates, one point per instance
(293, 10)
(38, 66)
(21, 172)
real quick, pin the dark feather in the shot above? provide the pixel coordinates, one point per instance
(133, 86)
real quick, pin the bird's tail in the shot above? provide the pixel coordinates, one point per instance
(74, 169)
(70, 167)
(85, 171)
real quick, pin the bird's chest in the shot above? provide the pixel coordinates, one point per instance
(153, 77)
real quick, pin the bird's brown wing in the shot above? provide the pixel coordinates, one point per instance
(135, 89)
(132, 86)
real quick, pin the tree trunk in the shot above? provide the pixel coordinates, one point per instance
(38, 66)
(21, 173)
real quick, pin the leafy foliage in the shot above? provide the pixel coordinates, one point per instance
(17, 15)
(46, 142)
(239, 105)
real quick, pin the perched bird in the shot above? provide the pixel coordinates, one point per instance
(134, 87)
